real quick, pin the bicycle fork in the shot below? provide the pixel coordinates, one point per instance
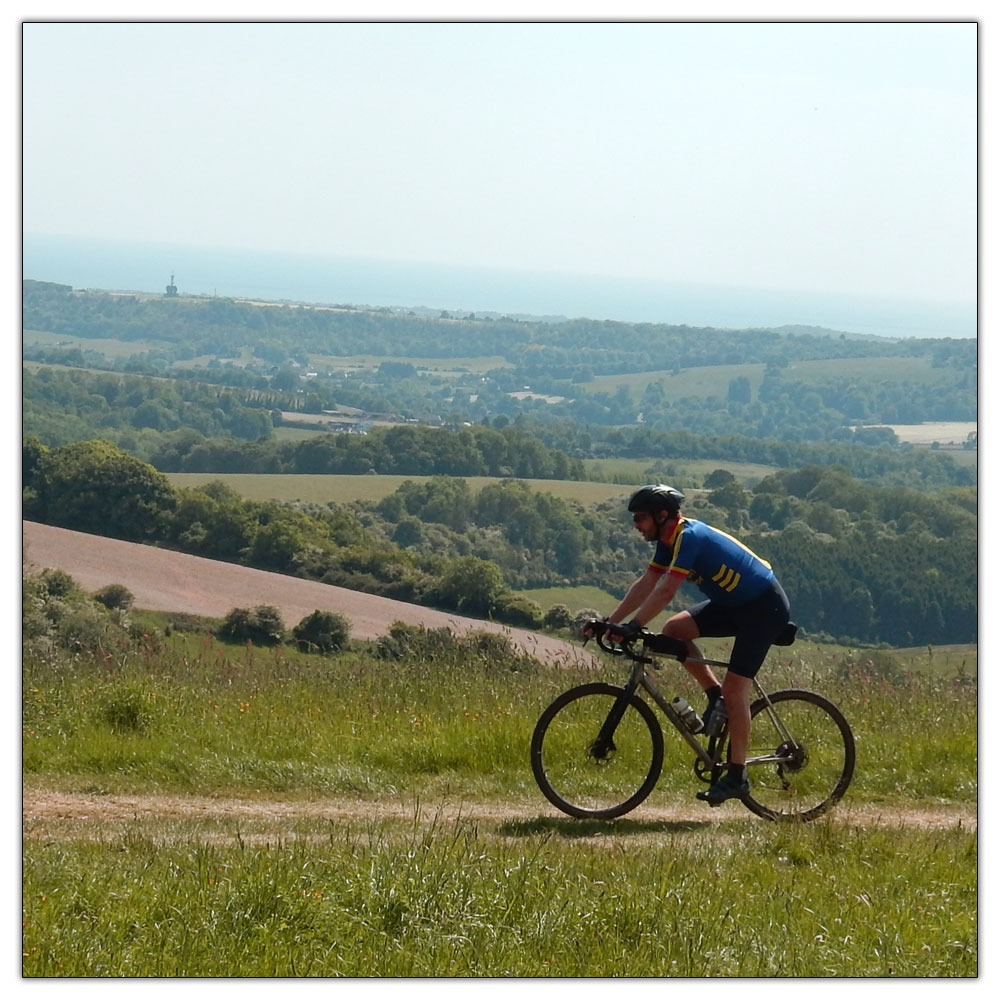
(638, 677)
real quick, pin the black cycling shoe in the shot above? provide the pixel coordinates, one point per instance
(729, 786)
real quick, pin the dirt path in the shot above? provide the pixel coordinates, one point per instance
(50, 814)
(162, 580)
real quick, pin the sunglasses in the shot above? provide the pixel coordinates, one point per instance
(636, 518)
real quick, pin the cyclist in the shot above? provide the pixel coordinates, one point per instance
(744, 600)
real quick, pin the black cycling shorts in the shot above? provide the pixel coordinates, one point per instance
(754, 626)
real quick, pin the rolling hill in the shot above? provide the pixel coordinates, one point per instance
(162, 580)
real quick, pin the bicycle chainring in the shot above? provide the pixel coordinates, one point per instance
(703, 770)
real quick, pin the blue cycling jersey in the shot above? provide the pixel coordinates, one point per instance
(721, 567)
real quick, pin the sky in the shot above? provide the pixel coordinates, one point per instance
(826, 156)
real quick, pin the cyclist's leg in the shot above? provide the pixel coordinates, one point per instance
(684, 626)
(758, 624)
(736, 694)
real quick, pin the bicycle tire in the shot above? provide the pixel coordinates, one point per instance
(563, 761)
(815, 773)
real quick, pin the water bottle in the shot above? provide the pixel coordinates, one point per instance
(688, 715)
(717, 719)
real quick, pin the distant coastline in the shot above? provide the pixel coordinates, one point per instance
(121, 266)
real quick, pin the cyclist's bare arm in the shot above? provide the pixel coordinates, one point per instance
(647, 597)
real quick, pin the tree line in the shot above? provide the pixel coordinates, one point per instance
(184, 425)
(861, 563)
(223, 327)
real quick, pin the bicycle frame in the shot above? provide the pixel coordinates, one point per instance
(639, 677)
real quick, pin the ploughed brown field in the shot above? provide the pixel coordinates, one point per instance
(162, 580)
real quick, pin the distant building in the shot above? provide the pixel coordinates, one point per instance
(171, 292)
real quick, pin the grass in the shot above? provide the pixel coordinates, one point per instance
(436, 366)
(689, 471)
(573, 598)
(713, 380)
(344, 489)
(192, 713)
(443, 899)
(406, 883)
(102, 345)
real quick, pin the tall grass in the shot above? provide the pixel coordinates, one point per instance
(195, 713)
(298, 893)
(523, 899)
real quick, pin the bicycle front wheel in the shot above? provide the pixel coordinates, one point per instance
(580, 776)
(801, 757)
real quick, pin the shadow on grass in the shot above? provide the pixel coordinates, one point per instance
(566, 827)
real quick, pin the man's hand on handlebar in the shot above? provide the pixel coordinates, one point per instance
(613, 637)
(613, 631)
(630, 630)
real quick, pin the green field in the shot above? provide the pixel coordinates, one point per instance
(109, 348)
(574, 598)
(202, 810)
(689, 471)
(438, 366)
(713, 380)
(343, 489)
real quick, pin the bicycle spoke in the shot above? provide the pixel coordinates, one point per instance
(801, 756)
(584, 778)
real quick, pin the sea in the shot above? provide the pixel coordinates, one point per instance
(459, 290)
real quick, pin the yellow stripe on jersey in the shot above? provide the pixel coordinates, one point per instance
(727, 578)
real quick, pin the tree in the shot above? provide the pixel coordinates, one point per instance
(471, 585)
(287, 380)
(739, 390)
(95, 487)
(718, 477)
(730, 497)
(409, 531)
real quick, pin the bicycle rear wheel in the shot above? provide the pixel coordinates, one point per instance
(801, 757)
(577, 775)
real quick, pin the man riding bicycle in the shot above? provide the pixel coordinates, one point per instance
(744, 600)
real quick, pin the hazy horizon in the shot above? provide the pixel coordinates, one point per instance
(240, 273)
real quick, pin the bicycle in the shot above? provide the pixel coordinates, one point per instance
(597, 750)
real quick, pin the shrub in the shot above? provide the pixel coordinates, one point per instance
(261, 625)
(326, 631)
(56, 614)
(57, 582)
(441, 646)
(115, 597)
(558, 616)
(513, 609)
(405, 640)
(583, 615)
(85, 629)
